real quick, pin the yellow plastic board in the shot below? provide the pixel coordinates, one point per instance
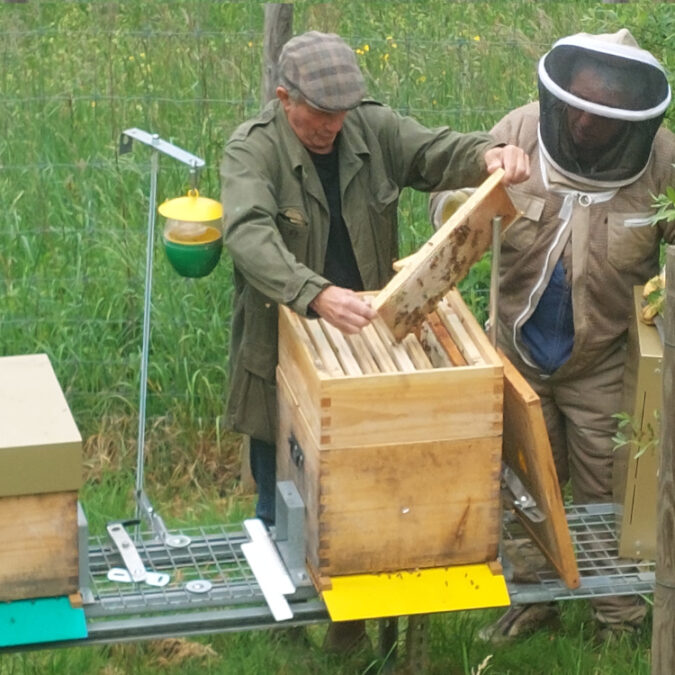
(439, 589)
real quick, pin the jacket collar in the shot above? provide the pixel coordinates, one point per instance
(352, 148)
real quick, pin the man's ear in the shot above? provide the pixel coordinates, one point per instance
(282, 95)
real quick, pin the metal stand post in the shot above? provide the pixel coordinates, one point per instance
(494, 278)
(144, 509)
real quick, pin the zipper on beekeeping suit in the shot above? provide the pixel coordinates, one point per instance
(570, 197)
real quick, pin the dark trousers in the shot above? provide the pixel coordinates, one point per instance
(264, 470)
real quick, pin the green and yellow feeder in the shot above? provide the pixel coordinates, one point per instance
(193, 233)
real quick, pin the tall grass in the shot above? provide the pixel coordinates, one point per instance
(73, 76)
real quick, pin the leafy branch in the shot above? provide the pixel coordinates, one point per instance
(630, 433)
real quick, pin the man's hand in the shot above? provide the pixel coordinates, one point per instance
(343, 308)
(512, 159)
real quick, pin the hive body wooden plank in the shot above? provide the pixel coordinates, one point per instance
(39, 556)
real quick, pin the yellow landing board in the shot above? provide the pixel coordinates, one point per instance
(440, 589)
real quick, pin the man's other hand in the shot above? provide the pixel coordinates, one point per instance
(512, 159)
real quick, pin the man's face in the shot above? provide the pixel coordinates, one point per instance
(592, 133)
(316, 129)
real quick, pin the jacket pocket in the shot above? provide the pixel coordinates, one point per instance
(519, 236)
(631, 239)
(258, 350)
(294, 230)
(260, 359)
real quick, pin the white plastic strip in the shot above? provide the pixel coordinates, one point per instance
(268, 569)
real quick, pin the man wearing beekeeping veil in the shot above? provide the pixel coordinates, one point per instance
(598, 153)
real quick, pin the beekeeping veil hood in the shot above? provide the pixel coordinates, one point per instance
(607, 76)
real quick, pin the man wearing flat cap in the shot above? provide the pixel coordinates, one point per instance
(311, 188)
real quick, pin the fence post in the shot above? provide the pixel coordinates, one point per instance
(278, 29)
(663, 632)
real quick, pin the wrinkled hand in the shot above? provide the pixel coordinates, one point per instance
(512, 159)
(343, 308)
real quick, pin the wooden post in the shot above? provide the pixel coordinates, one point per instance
(278, 29)
(663, 634)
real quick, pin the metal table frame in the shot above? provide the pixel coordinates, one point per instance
(125, 612)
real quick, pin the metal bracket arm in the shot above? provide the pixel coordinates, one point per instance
(155, 142)
(121, 539)
(522, 499)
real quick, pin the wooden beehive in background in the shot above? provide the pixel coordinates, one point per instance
(636, 468)
(40, 473)
(395, 447)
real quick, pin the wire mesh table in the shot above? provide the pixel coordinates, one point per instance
(212, 589)
(601, 571)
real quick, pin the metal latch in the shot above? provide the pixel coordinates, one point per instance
(297, 455)
(522, 499)
(135, 569)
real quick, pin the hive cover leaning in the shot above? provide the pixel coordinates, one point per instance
(445, 259)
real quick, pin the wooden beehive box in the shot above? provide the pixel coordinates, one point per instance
(394, 447)
(40, 473)
(636, 469)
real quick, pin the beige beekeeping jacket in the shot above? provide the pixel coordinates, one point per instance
(605, 239)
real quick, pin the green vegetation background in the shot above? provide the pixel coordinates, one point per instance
(73, 76)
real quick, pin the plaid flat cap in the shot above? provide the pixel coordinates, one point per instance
(323, 68)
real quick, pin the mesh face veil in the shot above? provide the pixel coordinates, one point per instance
(601, 99)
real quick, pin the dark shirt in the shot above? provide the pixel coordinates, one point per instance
(549, 332)
(340, 266)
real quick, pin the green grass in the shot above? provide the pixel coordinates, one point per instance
(73, 76)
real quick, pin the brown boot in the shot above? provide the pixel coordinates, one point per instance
(519, 621)
(343, 637)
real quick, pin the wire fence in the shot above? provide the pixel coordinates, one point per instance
(74, 75)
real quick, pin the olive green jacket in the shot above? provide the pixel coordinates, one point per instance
(277, 222)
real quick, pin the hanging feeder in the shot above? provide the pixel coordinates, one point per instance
(193, 235)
